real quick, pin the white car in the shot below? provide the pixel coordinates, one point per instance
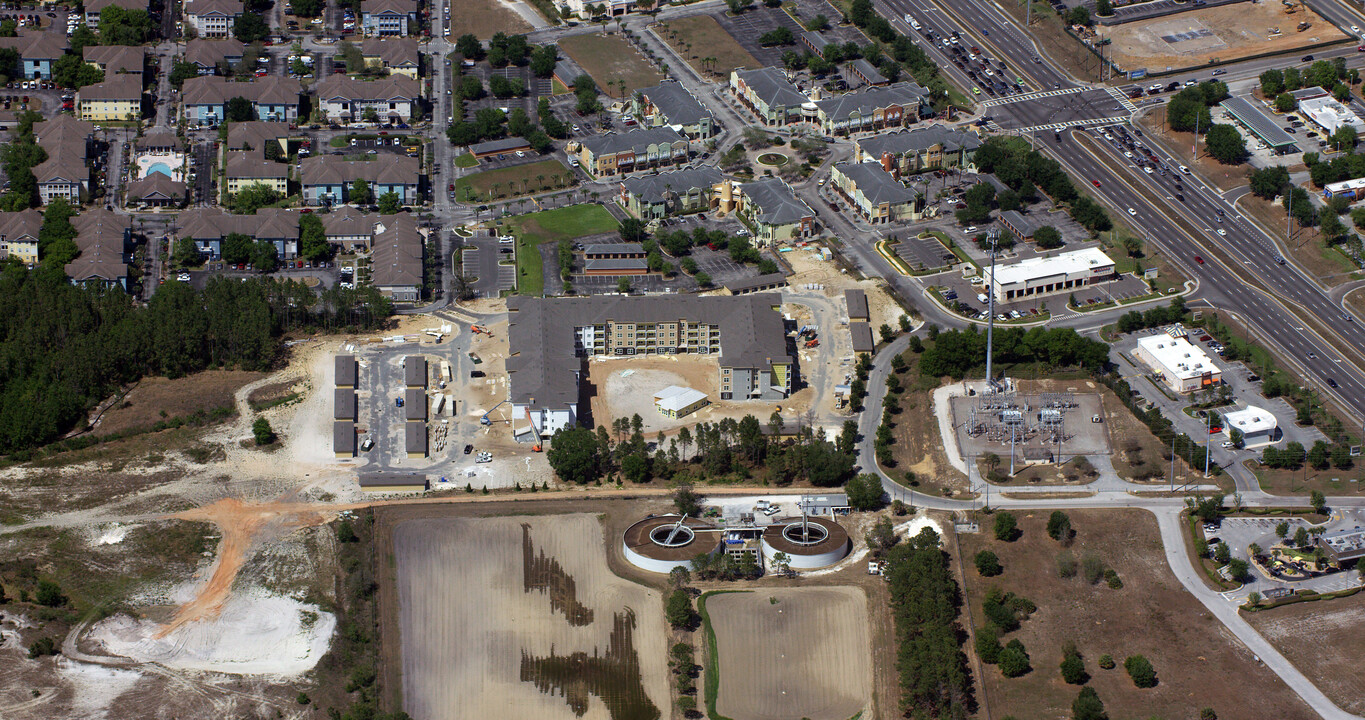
(1222, 232)
(1131, 211)
(1355, 29)
(521, 154)
(970, 229)
(1128, 154)
(1147, 169)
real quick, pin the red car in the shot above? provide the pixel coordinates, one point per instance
(1097, 182)
(1199, 259)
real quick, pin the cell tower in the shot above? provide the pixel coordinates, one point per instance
(992, 235)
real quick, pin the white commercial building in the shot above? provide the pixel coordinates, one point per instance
(1040, 276)
(1182, 365)
(1330, 115)
(1258, 426)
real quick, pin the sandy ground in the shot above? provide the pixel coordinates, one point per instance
(252, 634)
(1224, 33)
(808, 268)
(792, 653)
(470, 621)
(1323, 640)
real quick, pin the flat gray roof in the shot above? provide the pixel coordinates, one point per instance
(345, 371)
(415, 404)
(862, 337)
(343, 436)
(416, 436)
(1255, 119)
(344, 404)
(415, 481)
(857, 303)
(769, 281)
(608, 264)
(614, 249)
(415, 371)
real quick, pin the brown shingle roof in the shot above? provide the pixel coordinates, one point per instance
(396, 256)
(115, 58)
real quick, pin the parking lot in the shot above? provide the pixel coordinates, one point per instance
(535, 88)
(748, 27)
(923, 253)
(481, 259)
(203, 176)
(716, 263)
(1241, 532)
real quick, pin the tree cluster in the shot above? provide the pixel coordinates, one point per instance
(1185, 448)
(1190, 107)
(66, 347)
(958, 352)
(1026, 171)
(925, 601)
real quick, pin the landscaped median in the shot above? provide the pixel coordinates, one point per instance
(884, 249)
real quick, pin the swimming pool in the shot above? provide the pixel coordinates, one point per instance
(160, 167)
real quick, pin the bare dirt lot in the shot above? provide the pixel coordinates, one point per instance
(562, 638)
(625, 386)
(1323, 640)
(608, 58)
(792, 653)
(708, 39)
(1222, 33)
(158, 398)
(1151, 615)
(484, 18)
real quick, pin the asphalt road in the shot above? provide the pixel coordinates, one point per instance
(1316, 358)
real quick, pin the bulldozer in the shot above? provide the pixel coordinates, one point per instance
(1304, 26)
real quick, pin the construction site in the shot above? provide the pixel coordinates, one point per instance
(1225, 33)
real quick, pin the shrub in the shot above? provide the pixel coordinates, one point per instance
(1066, 564)
(988, 644)
(988, 564)
(49, 594)
(1087, 706)
(346, 532)
(1107, 662)
(42, 646)
(1140, 670)
(1073, 669)
(1112, 577)
(1092, 568)
(262, 431)
(1059, 527)
(1014, 660)
(1006, 527)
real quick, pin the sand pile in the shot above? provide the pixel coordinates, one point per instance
(254, 634)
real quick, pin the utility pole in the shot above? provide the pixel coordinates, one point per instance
(1208, 443)
(1194, 146)
(1172, 462)
(1289, 214)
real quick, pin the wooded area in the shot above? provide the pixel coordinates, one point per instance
(935, 681)
(63, 347)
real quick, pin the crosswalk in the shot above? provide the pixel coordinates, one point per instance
(1031, 96)
(1061, 125)
(1122, 99)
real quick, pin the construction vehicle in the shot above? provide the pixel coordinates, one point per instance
(480, 330)
(1304, 26)
(534, 432)
(812, 343)
(484, 420)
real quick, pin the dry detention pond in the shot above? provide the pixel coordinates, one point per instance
(520, 617)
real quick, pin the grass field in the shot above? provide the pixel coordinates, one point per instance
(521, 617)
(1297, 482)
(484, 18)
(1151, 615)
(466, 161)
(708, 39)
(548, 226)
(1323, 640)
(792, 653)
(609, 58)
(512, 181)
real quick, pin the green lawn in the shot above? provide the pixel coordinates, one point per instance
(466, 161)
(513, 181)
(551, 226)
